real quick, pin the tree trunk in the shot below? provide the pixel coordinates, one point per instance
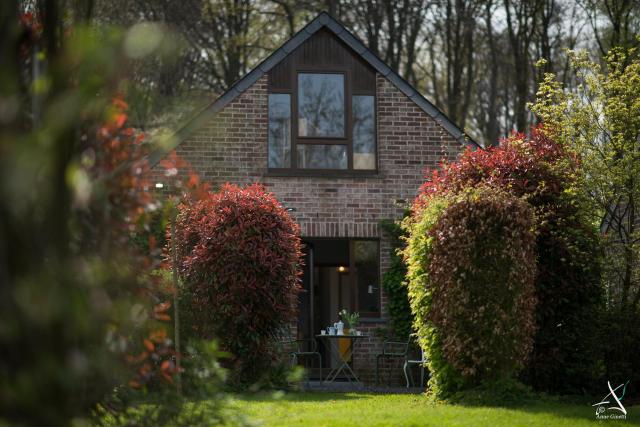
(491, 129)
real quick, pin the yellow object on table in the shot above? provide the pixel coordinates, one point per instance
(343, 345)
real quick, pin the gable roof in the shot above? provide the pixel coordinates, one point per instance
(323, 20)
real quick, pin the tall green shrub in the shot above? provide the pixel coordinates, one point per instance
(471, 270)
(600, 121)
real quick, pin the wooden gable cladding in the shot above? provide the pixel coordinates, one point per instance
(323, 51)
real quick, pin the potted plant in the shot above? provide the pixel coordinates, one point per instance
(351, 320)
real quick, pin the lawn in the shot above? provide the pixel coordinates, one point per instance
(366, 409)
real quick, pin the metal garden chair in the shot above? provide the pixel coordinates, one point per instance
(391, 350)
(300, 349)
(408, 362)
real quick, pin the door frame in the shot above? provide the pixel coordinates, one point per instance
(351, 276)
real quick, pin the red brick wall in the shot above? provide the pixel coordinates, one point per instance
(233, 148)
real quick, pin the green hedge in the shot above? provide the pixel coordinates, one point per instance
(394, 284)
(471, 270)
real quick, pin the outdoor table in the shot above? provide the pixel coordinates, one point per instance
(334, 347)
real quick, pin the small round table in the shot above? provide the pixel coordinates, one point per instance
(332, 343)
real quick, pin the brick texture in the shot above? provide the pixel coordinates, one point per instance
(233, 148)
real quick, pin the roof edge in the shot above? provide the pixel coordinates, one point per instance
(323, 20)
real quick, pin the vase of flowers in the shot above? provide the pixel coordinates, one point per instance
(351, 320)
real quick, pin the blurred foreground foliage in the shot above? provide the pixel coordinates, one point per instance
(85, 324)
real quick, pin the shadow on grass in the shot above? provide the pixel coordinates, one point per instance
(583, 411)
(298, 396)
(570, 408)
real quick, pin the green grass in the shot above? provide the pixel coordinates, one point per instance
(365, 409)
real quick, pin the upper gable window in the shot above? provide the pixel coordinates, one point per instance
(322, 110)
(321, 105)
(327, 131)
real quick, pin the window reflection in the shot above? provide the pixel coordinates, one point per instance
(366, 263)
(321, 105)
(322, 156)
(279, 130)
(364, 138)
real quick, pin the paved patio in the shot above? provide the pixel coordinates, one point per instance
(345, 386)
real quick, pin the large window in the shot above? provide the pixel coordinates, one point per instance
(322, 124)
(321, 105)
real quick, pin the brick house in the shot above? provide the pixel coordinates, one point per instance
(343, 142)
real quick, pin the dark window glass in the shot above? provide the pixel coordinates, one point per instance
(364, 136)
(322, 156)
(279, 130)
(321, 105)
(367, 269)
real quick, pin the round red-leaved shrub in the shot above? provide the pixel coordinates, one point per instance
(239, 257)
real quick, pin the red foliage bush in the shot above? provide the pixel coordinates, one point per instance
(481, 282)
(542, 172)
(536, 168)
(239, 257)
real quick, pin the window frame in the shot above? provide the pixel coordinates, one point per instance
(347, 139)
